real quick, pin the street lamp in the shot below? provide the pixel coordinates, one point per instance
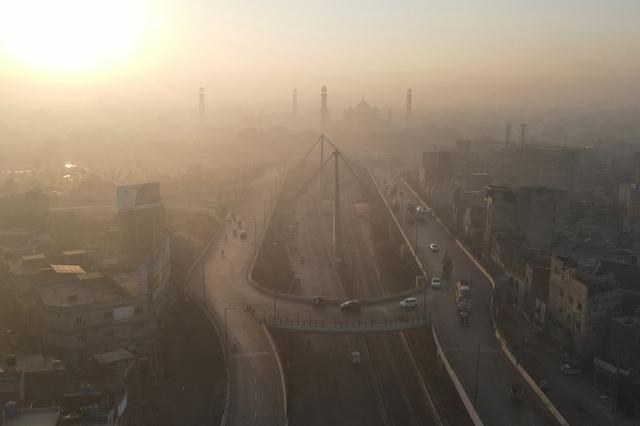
(226, 339)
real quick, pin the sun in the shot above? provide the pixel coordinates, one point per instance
(69, 35)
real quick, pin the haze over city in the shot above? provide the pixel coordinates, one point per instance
(319, 213)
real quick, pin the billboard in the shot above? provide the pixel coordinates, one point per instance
(132, 197)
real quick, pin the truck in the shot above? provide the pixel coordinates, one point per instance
(463, 299)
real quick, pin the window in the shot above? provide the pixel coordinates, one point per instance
(578, 326)
(561, 292)
(82, 338)
(79, 321)
(138, 309)
(579, 305)
(108, 315)
(571, 300)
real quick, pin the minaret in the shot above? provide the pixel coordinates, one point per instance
(523, 133)
(294, 103)
(201, 109)
(409, 111)
(324, 112)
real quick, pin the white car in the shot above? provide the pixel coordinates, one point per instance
(409, 302)
(434, 247)
(435, 282)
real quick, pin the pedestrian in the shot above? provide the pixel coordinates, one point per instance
(222, 253)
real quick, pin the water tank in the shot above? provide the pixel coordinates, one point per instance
(10, 360)
(11, 409)
(85, 389)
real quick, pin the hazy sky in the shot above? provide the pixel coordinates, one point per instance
(457, 53)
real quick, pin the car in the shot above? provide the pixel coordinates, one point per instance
(409, 302)
(434, 247)
(570, 370)
(350, 305)
(243, 234)
(435, 282)
(544, 385)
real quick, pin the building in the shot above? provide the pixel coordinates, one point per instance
(536, 294)
(116, 302)
(363, 116)
(535, 214)
(629, 203)
(508, 164)
(41, 390)
(581, 303)
(500, 212)
(623, 343)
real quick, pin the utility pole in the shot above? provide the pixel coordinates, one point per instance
(264, 216)
(475, 391)
(336, 208)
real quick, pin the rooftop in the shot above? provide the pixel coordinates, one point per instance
(78, 290)
(35, 417)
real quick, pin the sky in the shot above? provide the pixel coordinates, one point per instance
(252, 53)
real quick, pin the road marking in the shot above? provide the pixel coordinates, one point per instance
(251, 354)
(462, 349)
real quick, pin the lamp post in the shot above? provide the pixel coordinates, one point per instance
(226, 339)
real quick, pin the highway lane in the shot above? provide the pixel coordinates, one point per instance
(399, 396)
(472, 348)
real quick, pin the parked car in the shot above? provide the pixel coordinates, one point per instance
(409, 302)
(350, 306)
(570, 370)
(435, 282)
(434, 247)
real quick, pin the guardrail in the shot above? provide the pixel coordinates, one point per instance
(254, 284)
(546, 402)
(473, 414)
(355, 326)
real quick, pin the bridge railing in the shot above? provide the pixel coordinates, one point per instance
(335, 325)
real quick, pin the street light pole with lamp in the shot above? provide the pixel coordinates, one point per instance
(226, 338)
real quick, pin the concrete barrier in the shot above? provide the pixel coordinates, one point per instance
(545, 401)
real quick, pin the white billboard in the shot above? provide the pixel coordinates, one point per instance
(131, 197)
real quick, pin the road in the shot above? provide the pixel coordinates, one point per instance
(385, 388)
(256, 394)
(472, 349)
